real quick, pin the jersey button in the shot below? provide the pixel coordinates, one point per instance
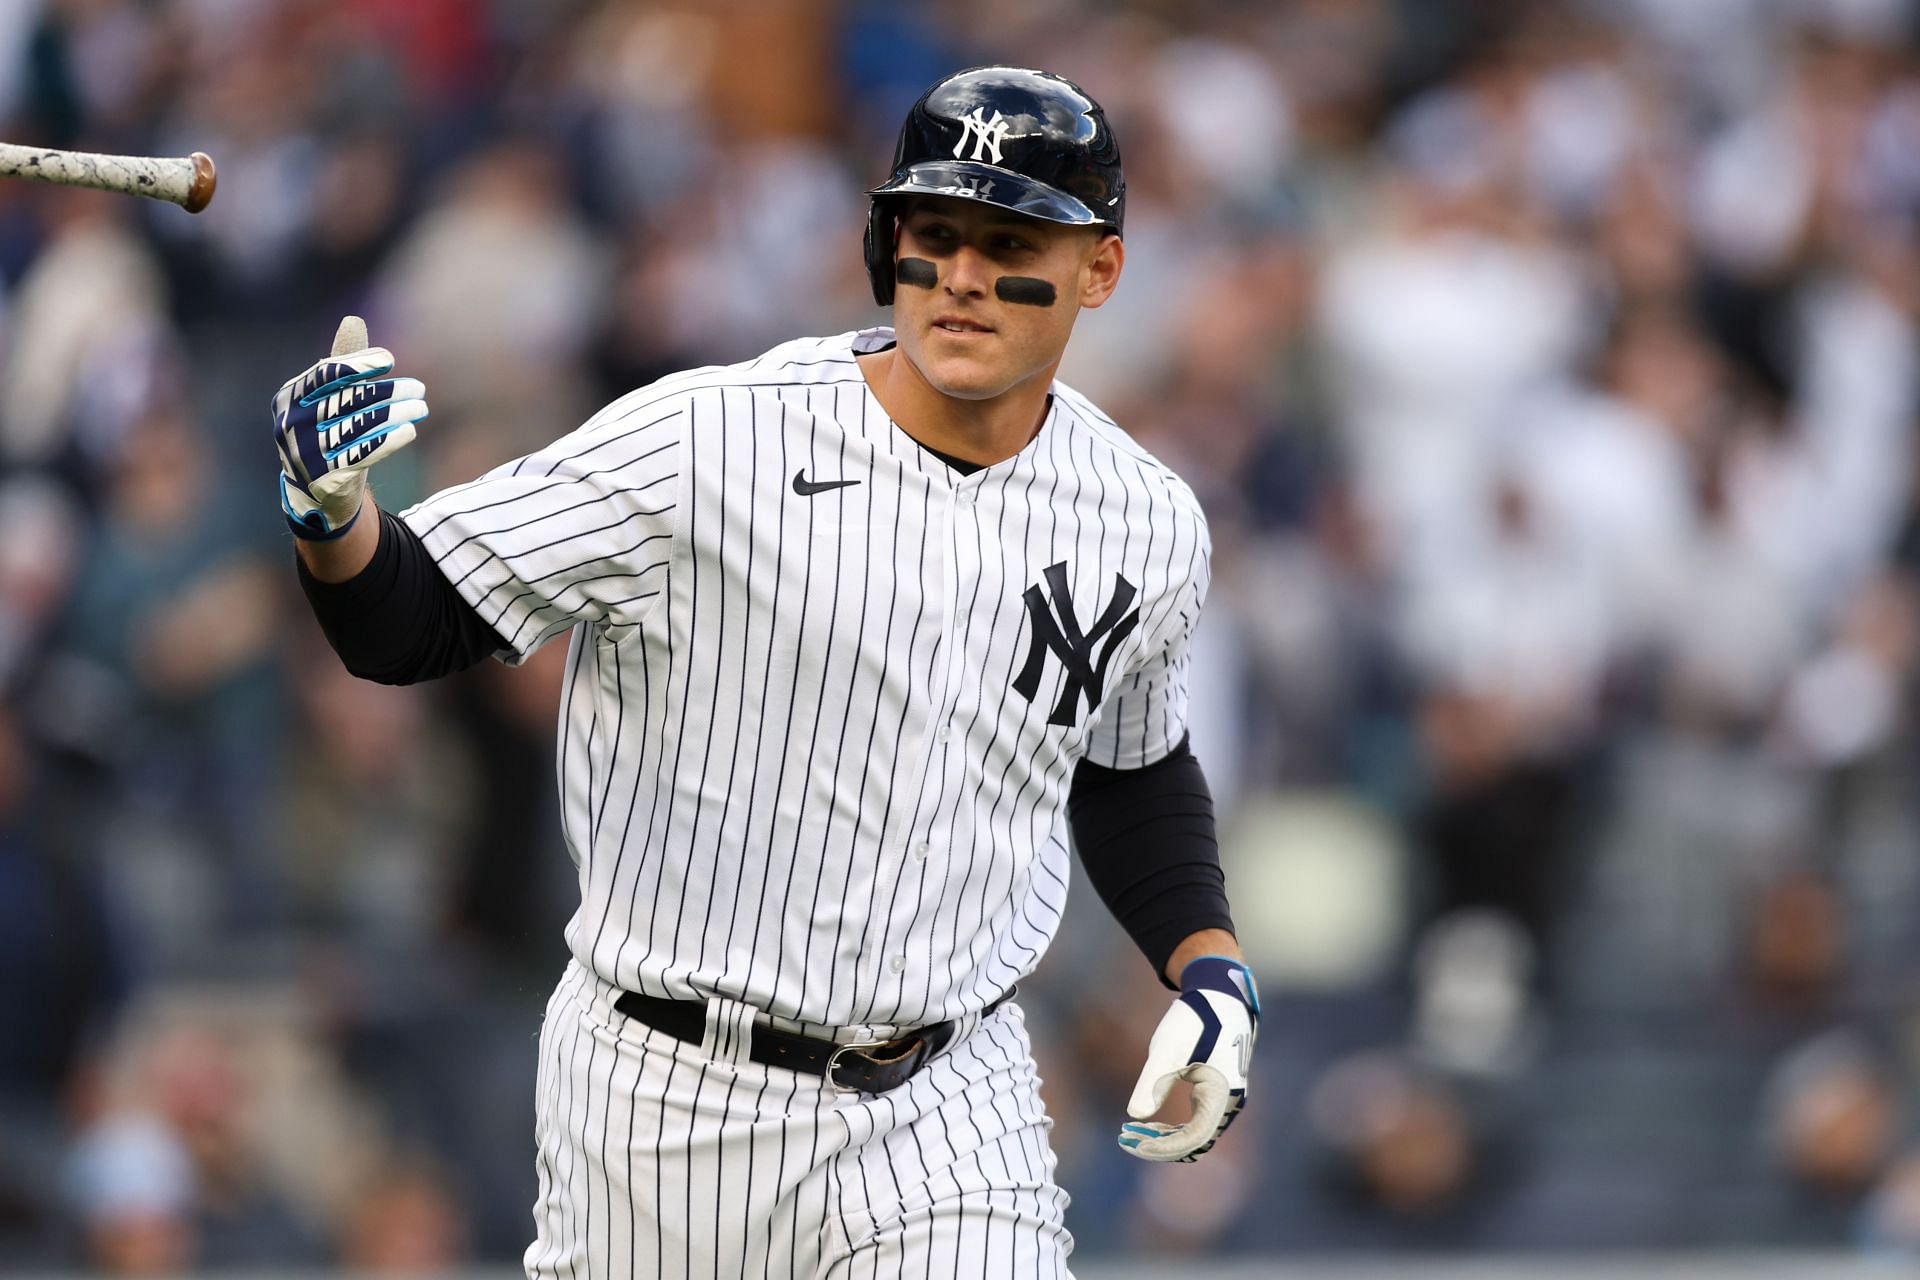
(897, 964)
(921, 850)
(945, 732)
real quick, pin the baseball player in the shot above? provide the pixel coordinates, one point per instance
(858, 630)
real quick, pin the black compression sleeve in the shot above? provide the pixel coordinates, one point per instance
(399, 620)
(1146, 838)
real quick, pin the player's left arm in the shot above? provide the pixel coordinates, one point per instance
(1147, 843)
(1143, 825)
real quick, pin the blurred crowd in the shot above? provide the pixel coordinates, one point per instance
(1547, 369)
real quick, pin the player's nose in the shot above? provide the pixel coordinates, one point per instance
(968, 272)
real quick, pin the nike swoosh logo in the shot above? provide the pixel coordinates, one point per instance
(807, 488)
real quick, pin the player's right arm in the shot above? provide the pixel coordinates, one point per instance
(579, 532)
(374, 590)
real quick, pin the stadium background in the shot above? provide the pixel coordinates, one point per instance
(1548, 373)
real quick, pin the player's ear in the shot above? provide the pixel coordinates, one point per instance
(1101, 273)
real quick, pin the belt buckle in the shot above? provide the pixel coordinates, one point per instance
(833, 1063)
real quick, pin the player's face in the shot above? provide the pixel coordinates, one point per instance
(986, 299)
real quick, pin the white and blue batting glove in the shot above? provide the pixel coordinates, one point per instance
(1206, 1039)
(333, 422)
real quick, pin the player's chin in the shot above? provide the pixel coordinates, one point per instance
(964, 379)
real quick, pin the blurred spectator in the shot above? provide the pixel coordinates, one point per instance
(89, 340)
(1398, 1137)
(133, 1184)
(1726, 623)
(502, 341)
(1474, 978)
(1832, 1116)
(376, 871)
(406, 1223)
(512, 882)
(1606, 469)
(224, 1133)
(64, 963)
(66, 972)
(1453, 306)
(1891, 1221)
(174, 613)
(1510, 645)
(41, 531)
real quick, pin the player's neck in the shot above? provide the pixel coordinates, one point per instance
(983, 431)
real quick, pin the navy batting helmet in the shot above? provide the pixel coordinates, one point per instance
(1029, 141)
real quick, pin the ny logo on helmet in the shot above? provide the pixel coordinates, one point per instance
(1074, 649)
(986, 133)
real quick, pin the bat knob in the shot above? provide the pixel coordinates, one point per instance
(200, 194)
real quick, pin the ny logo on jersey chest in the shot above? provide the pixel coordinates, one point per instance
(1075, 648)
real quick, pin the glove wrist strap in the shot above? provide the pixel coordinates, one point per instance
(1223, 974)
(322, 518)
(307, 533)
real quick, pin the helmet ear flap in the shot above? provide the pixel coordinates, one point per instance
(879, 248)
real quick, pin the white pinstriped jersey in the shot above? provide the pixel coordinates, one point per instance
(825, 693)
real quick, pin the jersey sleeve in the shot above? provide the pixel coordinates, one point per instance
(580, 531)
(1144, 717)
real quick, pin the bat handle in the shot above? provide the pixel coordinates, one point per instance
(204, 180)
(351, 336)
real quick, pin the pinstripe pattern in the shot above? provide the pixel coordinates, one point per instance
(797, 776)
(657, 1159)
(777, 702)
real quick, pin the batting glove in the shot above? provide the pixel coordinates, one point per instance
(1206, 1038)
(333, 422)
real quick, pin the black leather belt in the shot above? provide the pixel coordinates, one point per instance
(873, 1066)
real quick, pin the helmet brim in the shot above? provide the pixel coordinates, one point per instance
(990, 185)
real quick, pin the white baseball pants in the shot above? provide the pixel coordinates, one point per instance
(659, 1157)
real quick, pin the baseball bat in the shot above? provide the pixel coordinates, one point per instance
(183, 180)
